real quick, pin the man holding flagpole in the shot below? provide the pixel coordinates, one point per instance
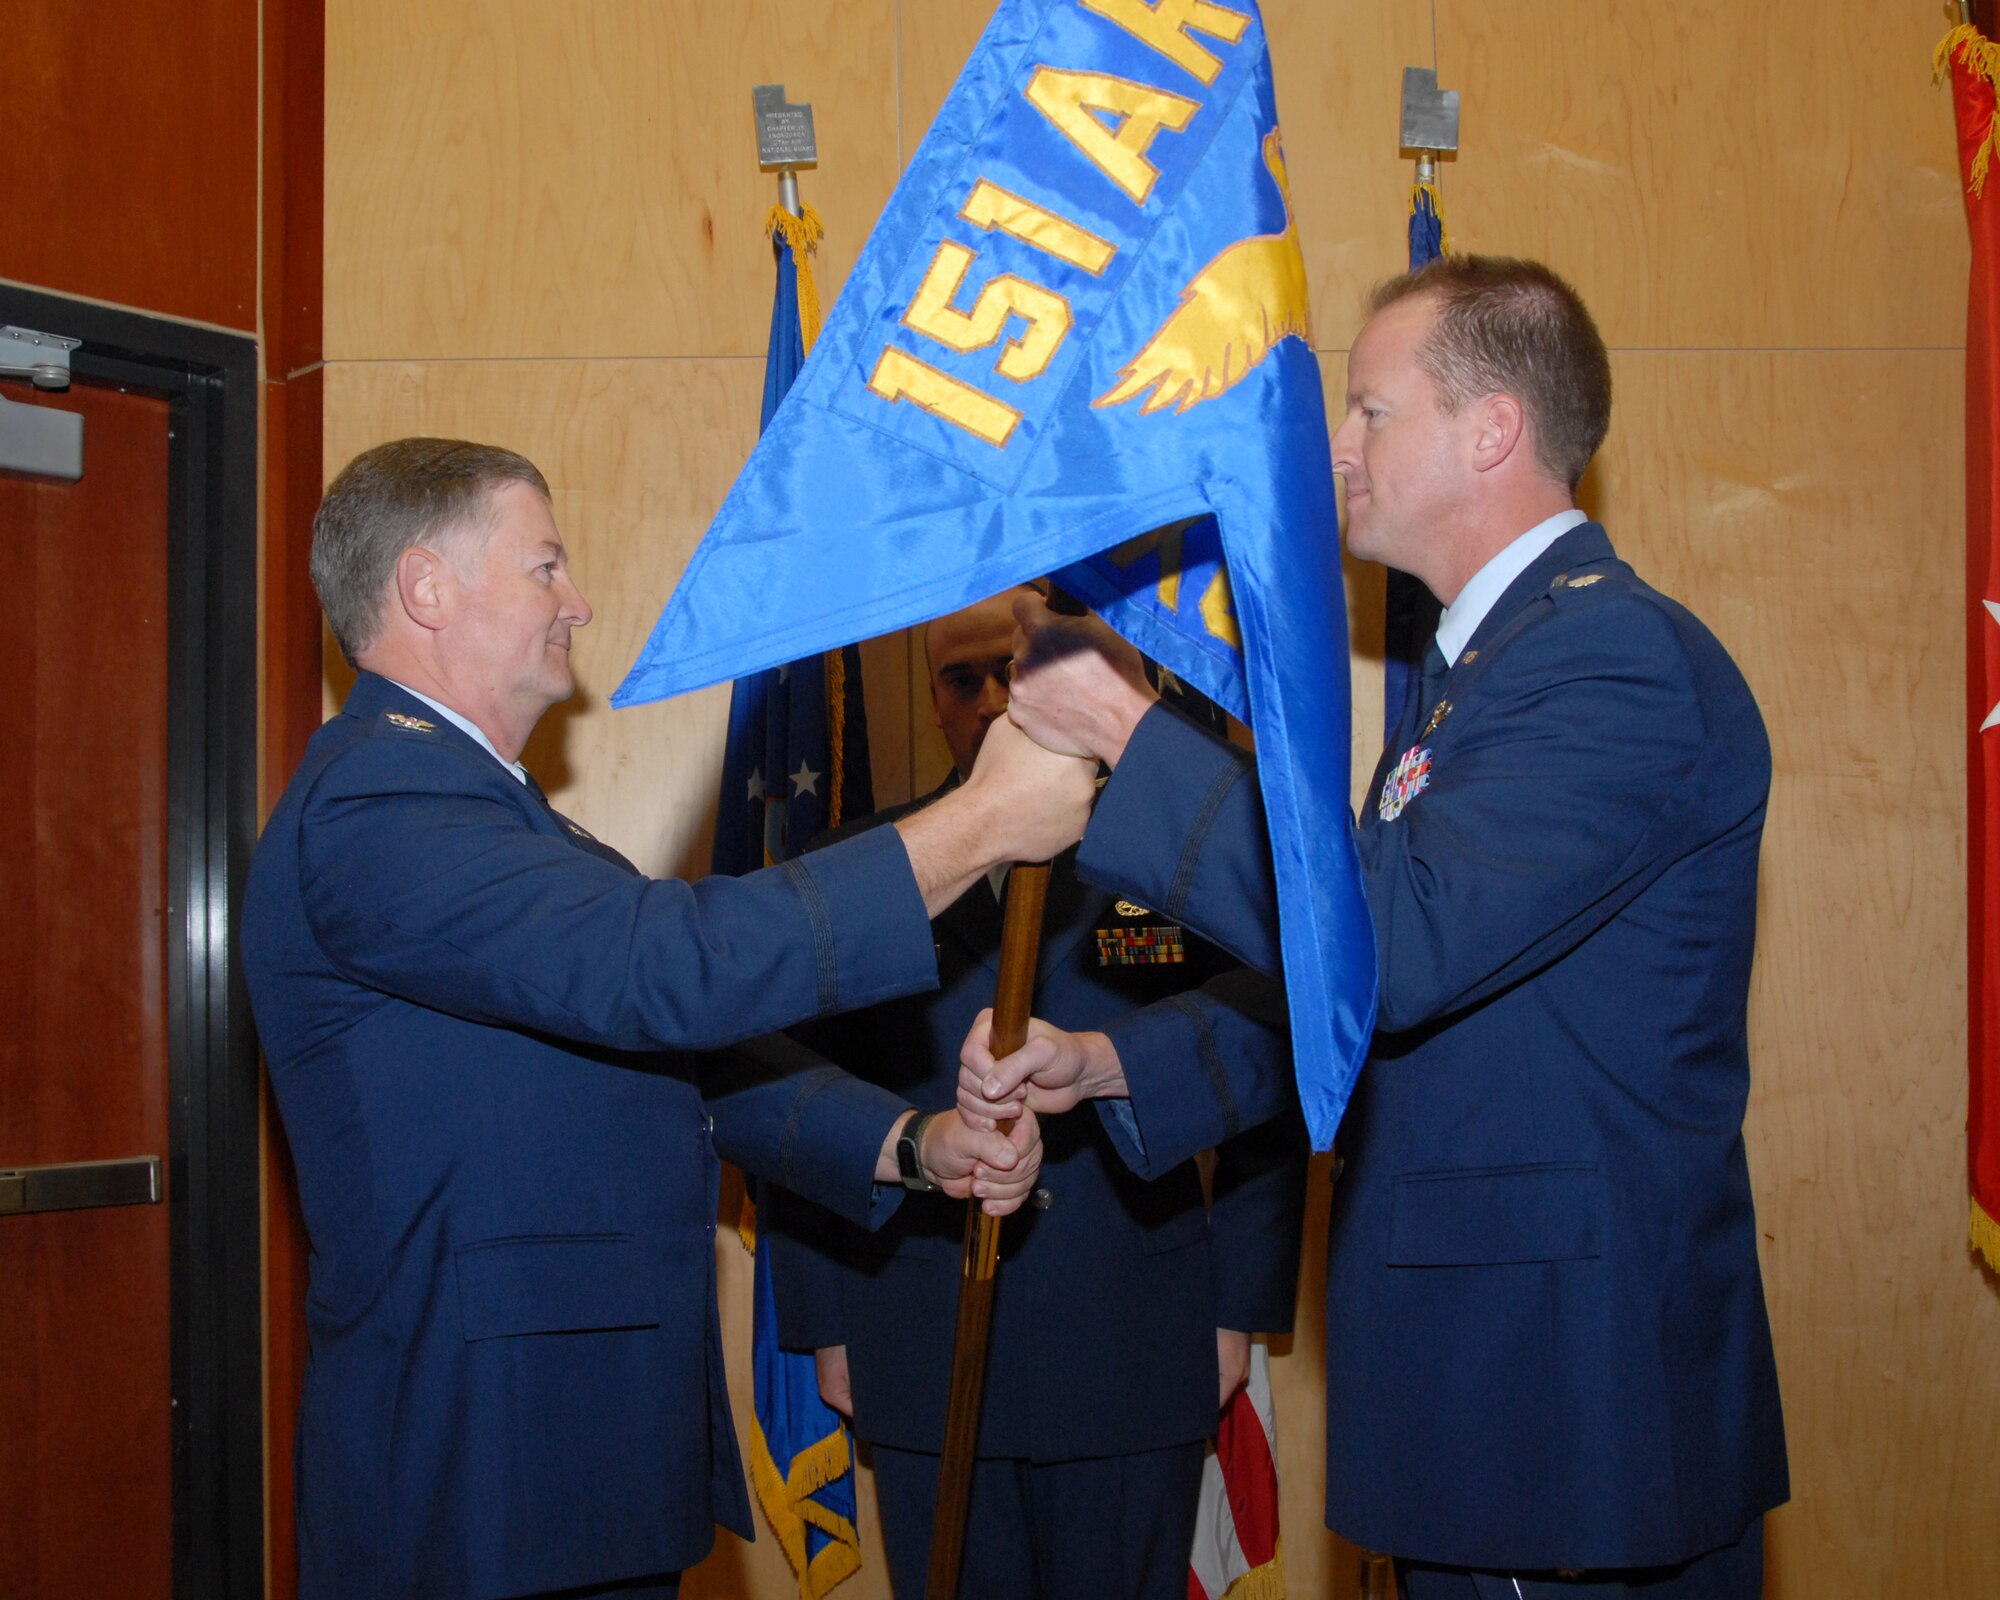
(1549, 1368)
(493, 1043)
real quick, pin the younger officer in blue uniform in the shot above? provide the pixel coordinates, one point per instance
(1549, 1370)
(1123, 1309)
(477, 1020)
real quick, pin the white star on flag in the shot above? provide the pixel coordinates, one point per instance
(804, 780)
(756, 785)
(1993, 716)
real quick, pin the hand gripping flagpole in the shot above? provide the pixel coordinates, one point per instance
(1013, 1003)
(1013, 996)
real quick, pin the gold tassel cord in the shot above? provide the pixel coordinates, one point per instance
(1421, 188)
(801, 235)
(1980, 56)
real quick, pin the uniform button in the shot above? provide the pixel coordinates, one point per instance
(1042, 1199)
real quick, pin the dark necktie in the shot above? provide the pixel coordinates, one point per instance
(1430, 680)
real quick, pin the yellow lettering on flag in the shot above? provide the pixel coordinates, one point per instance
(1071, 101)
(1218, 605)
(1163, 27)
(1028, 354)
(901, 376)
(1218, 611)
(989, 206)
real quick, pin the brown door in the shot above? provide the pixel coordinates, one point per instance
(86, 1409)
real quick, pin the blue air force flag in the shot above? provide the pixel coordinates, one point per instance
(1078, 343)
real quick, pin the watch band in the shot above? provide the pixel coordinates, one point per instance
(910, 1154)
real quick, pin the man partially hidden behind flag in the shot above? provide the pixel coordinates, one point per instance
(795, 763)
(1073, 1418)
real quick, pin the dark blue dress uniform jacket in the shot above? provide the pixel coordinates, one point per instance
(1108, 1300)
(515, 1380)
(1546, 1337)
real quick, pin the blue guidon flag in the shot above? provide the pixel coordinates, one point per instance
(1078, 343)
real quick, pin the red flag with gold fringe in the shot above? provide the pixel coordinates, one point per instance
(1973, 62)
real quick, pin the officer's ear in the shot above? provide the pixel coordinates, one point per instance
(426, 587)
(1500, 429)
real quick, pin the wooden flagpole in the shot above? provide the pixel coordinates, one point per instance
(1013, 996)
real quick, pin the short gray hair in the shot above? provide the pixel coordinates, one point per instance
(399, 494)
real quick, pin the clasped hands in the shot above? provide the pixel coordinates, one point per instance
(973, 1159)
(1079, 690)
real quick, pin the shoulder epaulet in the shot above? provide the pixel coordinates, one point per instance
(1564, 583)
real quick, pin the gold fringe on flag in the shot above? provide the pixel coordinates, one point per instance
(789, 1506)
(1261, 1583)
(1981, 57)
(801, 236)
(1986, 1236)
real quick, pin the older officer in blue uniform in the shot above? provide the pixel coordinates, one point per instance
(1089, 1453)
(1549, 1369)
(476, 1019)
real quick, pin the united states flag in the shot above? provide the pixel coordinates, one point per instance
(1236, 1551)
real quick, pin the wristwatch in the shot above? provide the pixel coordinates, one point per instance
(910, 1154)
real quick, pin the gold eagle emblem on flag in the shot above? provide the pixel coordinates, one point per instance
(1228, 318)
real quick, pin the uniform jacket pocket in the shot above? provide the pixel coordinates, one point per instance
(1488, 1216)
(555, 1283)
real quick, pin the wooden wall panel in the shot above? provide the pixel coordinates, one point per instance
(130, 160)
(1711, 173)
(1339, 77)
(1832, 570)
(934, 41)
(639, 455)
(514, 178)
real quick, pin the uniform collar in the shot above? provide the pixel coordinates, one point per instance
(373, 693)
(1462, 617)
(468, 727)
